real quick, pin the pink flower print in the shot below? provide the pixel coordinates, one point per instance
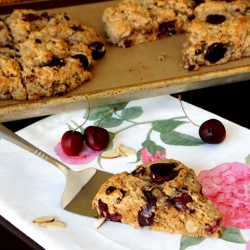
(146, 156)
(85, 156)
(228, 187)
(248, 245)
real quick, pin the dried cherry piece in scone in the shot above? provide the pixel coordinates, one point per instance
(110, 190)
(180, 202)
(83, 59)
(215, 19)
(98, 50)
(161, 172)
(146, 216)
(56, 62)
(212, 228)
(128, 43)
(30, 17)
(103, 208)
(215, 52)
(46, 15)
(77, 28)
(167, 28)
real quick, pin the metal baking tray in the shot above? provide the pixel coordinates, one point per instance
(127, 74)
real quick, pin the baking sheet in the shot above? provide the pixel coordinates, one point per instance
(127, 74)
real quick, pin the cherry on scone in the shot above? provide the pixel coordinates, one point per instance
(180, 202)
(211, 131)
(72, 142)
(161, 172)
(98, 50)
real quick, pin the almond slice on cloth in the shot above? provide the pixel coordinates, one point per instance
(44, 219)
(127, 151)
(99, 222)
(110, 154)
(119, 150)
(54, 224)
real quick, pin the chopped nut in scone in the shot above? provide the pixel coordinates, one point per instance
(162, 195)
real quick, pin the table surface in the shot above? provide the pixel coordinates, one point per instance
(228, 101)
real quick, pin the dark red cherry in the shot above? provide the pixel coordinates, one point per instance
(167, 28)
(146, 216)
(215, 52)
(180, 202)
(30, 17)
(103, 208)
(83, 60)
(72, 142)
(161, 172)
(215, 19)
(96, 138)
(98, 50)
(212, 131)
(212, 229)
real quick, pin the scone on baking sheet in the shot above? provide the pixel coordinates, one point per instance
(163, 195)
(218, 34)
(138, 21)
(54, 53)
(11, 86)
(51, 67)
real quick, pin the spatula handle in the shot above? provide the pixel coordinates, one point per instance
(8, 135)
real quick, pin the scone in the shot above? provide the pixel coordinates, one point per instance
(218, 34)
(163, 195)
(138, 21)
(54, 54)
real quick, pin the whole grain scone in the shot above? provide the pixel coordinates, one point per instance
(218, 34)
(138, 21)
(11, 85)
(54, 52)
(163, 195)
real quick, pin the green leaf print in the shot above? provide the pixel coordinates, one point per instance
(232, 234)
(247, 159)
(131, 113)
(190, 241)
(98, 112)
(109, 122)
(164, 126)
(179, 139)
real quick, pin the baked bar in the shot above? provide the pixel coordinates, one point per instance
(138, 21)
(54, 52)
(163, 195)
(218, 34)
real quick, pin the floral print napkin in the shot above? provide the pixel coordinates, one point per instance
(156, 128)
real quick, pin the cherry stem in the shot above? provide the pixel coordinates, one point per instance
(179, 97)
(110, 111)
(86, 118)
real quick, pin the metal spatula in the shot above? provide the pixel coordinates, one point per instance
(81, 186)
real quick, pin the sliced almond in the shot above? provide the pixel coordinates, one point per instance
(127, 151)
(44, 219)
(99, 222)
(119, 150)
(110, 154)
(54, 224)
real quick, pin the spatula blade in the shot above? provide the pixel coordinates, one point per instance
(82, 202)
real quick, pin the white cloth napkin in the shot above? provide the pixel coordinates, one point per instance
(30, 187)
